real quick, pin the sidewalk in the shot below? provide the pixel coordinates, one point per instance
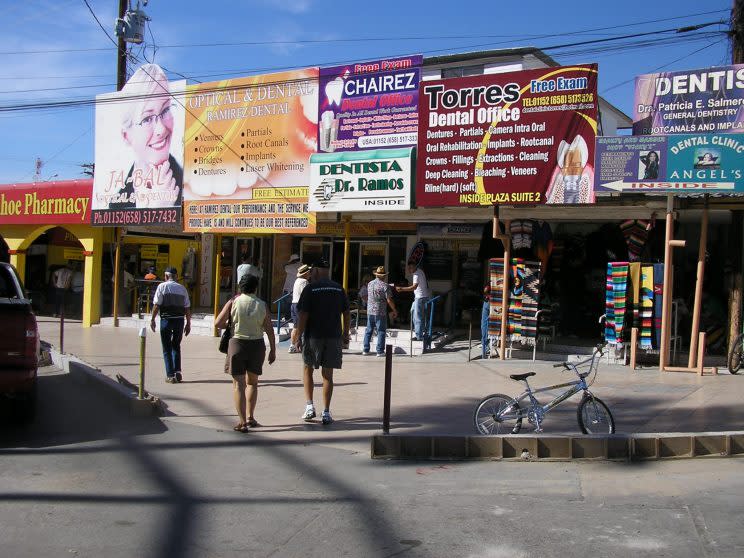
(431, 394)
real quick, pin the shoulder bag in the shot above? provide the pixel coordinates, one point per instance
(226, 333)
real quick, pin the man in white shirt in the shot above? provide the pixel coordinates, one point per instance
(303, 274)
(291, 268)
(249, 268)
(171, 301)
(420, 288)
(62, 278)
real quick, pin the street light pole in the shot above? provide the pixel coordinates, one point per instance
(121, 79)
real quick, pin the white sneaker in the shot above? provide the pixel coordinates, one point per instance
(309, 413)
(293, 349)
(365, 353)
(327, 418)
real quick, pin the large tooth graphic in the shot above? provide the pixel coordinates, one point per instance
(334, 90)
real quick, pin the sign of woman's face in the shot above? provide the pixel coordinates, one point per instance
(149, 136)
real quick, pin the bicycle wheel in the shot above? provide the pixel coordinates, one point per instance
(735, 357)
(497, 414)
(594, 416)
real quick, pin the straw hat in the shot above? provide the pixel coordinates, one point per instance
(303, 269)
(380, 272)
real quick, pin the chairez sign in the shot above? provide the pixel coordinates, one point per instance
(512, 138)
(369, 105)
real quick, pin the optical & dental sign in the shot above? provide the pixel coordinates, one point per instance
(679, 164)
(248, 143)
(369, 105)
(512, 138)
(704, 101)
(376, 180)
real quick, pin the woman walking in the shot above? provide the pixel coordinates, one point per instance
(246, 351)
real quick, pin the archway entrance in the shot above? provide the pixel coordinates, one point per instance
(52, 250)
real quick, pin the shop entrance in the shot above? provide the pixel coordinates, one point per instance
(234, 249)
(52, 250)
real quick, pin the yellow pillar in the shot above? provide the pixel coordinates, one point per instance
(18, 260)
(93, 284)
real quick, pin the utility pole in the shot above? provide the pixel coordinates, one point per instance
(121, 79)
(736, 238)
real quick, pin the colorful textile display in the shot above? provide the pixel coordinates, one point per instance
(635, 232)
(634, 275)
(615, 301)
(658, 294)
(647, 305)
(524, 281)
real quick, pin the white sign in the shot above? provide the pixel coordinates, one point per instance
(379, 180)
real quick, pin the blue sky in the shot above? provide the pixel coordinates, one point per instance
(53, 50)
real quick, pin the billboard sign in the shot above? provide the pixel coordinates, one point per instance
(55, 203)
(679, 164)
(248, 143)
(369, 105)
(377, 180)
(139, 152)
(706, 101)
(512, 138)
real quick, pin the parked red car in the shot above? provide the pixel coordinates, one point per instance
(19, 345)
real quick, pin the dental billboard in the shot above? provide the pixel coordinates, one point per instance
(704, 101)
(512, 138)
(369, 105)
(679, 164)
(248, 146)
(139, 152)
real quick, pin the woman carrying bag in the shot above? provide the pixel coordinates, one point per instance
(246, 350)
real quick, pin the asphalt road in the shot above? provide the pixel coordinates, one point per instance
(85, 480)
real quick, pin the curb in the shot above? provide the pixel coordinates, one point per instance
(632, 447)
(86, 374)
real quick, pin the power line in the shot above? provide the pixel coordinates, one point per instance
(362, 39)
(99, 24)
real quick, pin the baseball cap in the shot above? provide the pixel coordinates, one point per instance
(171, 271)
(322, 264)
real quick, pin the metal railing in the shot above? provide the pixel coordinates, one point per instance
(279, 321)
(430, 306)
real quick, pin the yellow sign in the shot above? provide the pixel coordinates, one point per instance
(248, 142)
(73, 254)
(149, 251)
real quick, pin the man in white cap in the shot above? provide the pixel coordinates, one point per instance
(303, 274)
(290, 268)
(379, 296)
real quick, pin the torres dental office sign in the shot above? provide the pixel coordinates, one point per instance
(511, 138)
(362, 181)
(679, 164)
(692, 101)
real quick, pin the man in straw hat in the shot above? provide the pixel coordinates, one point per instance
(303, 274)
(379, 296)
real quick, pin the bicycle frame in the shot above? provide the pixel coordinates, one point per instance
(578, 385)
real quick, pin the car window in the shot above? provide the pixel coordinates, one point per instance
(7, 286)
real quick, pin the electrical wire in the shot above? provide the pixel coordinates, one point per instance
(100, 25)
(364, 39)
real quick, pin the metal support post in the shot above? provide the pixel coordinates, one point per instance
(143, 342)
(388, 382)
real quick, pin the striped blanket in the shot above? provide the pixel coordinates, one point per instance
(524, 292)
(615, 301)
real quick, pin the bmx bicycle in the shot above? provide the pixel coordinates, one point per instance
(501, 414)
(736, 355)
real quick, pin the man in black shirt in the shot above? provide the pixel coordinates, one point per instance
(321, 334)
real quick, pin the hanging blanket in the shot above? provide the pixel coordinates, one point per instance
(524, 280)
(647, 305)
(634, 277)
(658, 293)
(615, 301)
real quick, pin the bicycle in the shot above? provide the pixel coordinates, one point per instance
(498, 413)
(736, 355)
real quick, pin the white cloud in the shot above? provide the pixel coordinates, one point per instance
(291, 6)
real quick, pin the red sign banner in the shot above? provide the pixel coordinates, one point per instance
(512, 138)
(58, 203)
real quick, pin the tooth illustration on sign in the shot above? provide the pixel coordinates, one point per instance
(333, 90)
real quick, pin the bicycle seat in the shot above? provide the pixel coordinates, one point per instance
(520, 377)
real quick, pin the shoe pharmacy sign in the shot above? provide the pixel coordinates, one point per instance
(376, 180)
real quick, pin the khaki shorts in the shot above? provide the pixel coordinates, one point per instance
(245, 355)
(323, 352)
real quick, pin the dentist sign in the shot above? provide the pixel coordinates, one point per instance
(369, 105)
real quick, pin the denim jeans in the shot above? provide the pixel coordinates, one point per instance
(484, 327)
(171, 333)
(418, 315)
(380, 323)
